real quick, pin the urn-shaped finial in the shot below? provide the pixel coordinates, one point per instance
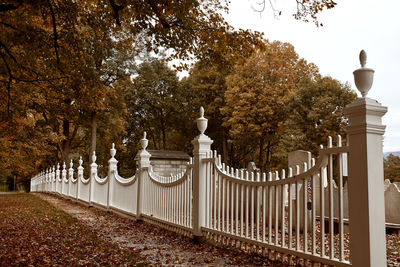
(363, 77)
(113, 151)
(144, 142)
(58, 166)
(64, 166)
(80, 161)
(71, 164)
(202, 122)
(94, 157)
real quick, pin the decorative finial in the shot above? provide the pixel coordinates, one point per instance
(58, 165)
(202, 122)
(71, 164)
(144, 142)
(363, 77)
(94, 157)
(64, 165)
(113, 150)
(363, 58)
(80, 161)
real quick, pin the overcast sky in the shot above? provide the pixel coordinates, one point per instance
(351, 26)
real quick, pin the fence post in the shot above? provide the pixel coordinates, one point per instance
(70, 176)
(112, 169)
(201, 146)
(366, 190)
(93, 173)
(80, 176)
(56, 178)
(143, 162)
(53, 176)
(47, 180)
(63, 175)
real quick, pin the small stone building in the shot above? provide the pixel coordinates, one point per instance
(165, 162)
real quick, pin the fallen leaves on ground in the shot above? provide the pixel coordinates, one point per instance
(156, 245)
(119, 240)
(34, 233)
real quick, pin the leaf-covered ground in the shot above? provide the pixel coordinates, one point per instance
(34, 233)
(157, 246)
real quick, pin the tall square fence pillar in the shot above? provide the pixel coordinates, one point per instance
(202, 146)
(366, 189)
(143, 163)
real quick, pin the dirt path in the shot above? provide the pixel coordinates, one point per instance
(155, 245)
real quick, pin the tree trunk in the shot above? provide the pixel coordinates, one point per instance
(232, 160)
(268, 156)
(66, 143)
(164, 142)
(93, 132)
(225, 149)
(260, 155)
(163, 130)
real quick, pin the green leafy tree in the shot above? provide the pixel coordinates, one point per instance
(391, 165)
(315, 112)
(205, 86)
(156, 104)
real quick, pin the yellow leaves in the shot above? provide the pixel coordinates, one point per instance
(257, 93)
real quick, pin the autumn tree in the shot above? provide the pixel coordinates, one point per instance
(258, 91)
(60, 62)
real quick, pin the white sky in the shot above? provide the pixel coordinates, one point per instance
(351, 26)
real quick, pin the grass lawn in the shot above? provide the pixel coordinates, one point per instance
(32, 232)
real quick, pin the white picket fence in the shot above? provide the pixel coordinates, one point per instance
(252, 207)
(261, 213)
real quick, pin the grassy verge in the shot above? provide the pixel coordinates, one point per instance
(32, 232)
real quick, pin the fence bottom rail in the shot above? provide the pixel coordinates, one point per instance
(271, 251)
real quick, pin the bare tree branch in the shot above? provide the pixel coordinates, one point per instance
(116, 8)
(55, 34)
(10, 78)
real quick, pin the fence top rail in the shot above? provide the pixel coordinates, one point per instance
(100, 180)
(73, 180)
(169, 184)
(172, 177)
(83, 179)
(321, 162)
(123, 181)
